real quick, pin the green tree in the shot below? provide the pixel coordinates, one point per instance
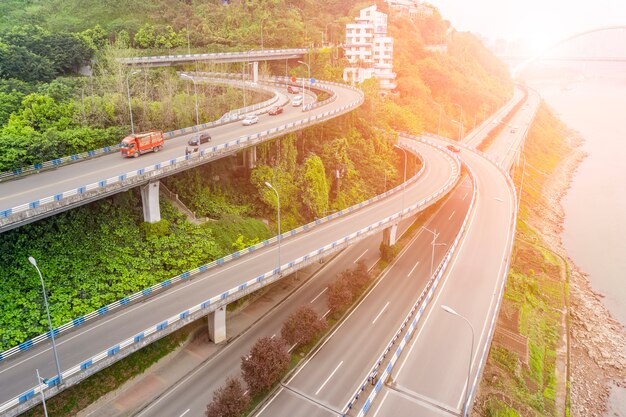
(315, 186)
(145, 36)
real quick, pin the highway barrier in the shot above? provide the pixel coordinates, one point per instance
(424, 299)
(226, 297)
(410, 320)
(248, 55)
(143, 175)
(229, 117)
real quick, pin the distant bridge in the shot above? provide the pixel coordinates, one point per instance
(543, 55)
(218, 57)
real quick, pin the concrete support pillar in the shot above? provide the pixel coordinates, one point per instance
(255, 72)
(249, 157)
(217, 325)
(390, 235)
(150, 200)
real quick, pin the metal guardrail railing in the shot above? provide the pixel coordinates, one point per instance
(419, 306)
(215, 301)
(57, 162)
(227, 147)
(214, 55)
(431, 288)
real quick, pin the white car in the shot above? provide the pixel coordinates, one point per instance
(250, 120)
(297, 101)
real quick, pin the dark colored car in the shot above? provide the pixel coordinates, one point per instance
(199, 140)
(293, 90)
(275, 111)
(453, 148)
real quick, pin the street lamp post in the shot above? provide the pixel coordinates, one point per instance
(195, 93)
(439, 123)
(433, 244)
(308, 67)
(404, 182)
(460, 127)
(45, 298)
(43, 397)
(469, 368)
(130, 107)
(460, 120)
(279, 231)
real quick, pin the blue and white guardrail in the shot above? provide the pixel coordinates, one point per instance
(225, 119)
(227, 147)
(419, 306)
(148, 291)
(218, 300)
(424, 299)
(215, 55)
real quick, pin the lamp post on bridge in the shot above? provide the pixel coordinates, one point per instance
(433, 244)
(469, 368)
(404, 182)
(195, 93)
(45, 299)
(278, 210)
(130, 107)
(308, 67)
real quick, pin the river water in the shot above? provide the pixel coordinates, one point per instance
(595, 206)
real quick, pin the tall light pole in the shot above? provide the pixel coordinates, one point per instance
(439, 123)
(308, 67)
(279, 231)
(43, 397)
(469, 368)
(45, 299)
(433, 244)
(404, 182)
(460, 120)
(460, 127)
(195, 93)
(130, 107)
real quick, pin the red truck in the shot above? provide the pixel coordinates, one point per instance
(138, 143)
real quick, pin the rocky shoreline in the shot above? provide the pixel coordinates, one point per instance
(597, 341)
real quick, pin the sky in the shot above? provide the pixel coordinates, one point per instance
(540, 23)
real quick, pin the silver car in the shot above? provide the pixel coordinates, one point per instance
(250, 120)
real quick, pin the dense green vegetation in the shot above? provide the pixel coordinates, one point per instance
(99, 253)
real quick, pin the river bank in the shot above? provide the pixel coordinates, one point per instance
(557, 350)
(597, 340)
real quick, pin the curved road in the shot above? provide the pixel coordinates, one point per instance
(86, 341)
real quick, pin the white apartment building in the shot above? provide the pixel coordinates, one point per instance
(369, 50)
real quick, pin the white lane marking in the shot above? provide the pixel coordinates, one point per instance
(291, 348)
(318, 295)
(499, 199)
(413, 269)
(211, 274)
(372, 267)
(328, 379)
(273, 336)
(360, 256)
(465, 196)
(185, 412)
(381, 404)
(244, 393)
(454, 211)
(381, 312)
(325, 314)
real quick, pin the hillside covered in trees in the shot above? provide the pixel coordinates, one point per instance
(316, 171)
